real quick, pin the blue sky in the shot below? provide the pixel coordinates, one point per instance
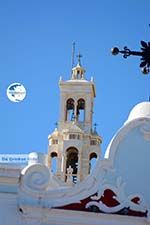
(35, 49)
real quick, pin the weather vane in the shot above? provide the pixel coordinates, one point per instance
(144, 54)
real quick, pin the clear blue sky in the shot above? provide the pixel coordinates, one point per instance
(35, 49)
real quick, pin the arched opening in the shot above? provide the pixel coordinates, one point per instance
(70, 110)
(92, 161)
(81, 110)
(54, 162)
(72, 161)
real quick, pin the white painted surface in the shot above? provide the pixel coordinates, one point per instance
(28, 196)
(139, 111)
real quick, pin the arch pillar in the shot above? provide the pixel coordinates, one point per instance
(79, 166)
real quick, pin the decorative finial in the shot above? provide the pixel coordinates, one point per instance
(144, 54)
(56, 124)
(79, 58)
(95, 125)
(92, 79)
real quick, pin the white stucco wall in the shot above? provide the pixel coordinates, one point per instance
(129, 152)
(9, 213)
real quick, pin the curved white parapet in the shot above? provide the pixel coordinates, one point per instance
(119, 184)
(141, 110)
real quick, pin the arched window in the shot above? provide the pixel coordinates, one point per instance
(70, 110)
(81, 110)
(72, 161)
(54, 141)
(92, 161)
(93, 142)
(53, 162)
(74, 136)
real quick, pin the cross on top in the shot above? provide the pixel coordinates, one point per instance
(95, 125)
(79, 56)
(56, 124)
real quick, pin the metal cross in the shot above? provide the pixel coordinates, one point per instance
(144, 54)
(56, 124)
(79, 56)
(95, 125)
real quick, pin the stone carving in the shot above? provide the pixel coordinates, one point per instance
(35, 177)
(112, 199)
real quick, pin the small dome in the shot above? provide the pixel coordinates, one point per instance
(141, 110)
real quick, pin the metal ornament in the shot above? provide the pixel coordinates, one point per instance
(144, 54)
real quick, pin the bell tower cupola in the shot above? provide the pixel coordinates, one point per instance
(75, 143)
(78, 71)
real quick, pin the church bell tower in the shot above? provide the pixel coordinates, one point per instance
(74, 143)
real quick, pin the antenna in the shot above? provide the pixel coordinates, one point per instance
(73, 53)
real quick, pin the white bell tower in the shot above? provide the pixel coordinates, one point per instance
(74, 143)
